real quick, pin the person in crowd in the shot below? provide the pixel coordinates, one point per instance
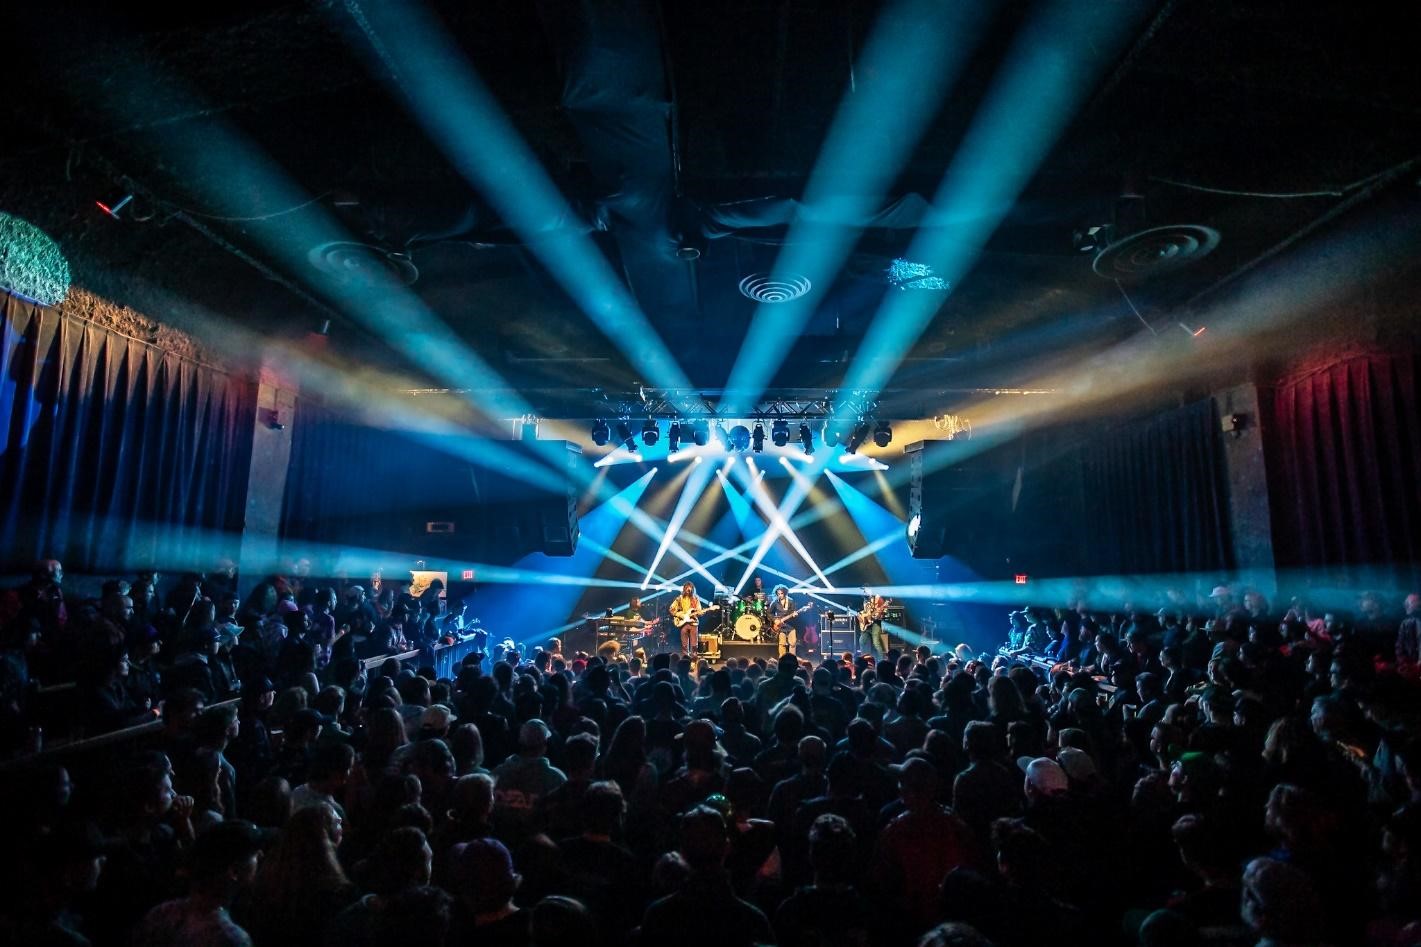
(222, 865)
(917, 850)
(485, 883)
(302, 885)
(599, 871)
(705, 911)
(326, 778)
(521, 783)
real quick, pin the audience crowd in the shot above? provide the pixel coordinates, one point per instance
(1227, 775)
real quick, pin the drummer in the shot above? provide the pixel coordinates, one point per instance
(756, 598)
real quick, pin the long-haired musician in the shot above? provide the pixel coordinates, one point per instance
(685, 615)
(784, 619)
(872, 637)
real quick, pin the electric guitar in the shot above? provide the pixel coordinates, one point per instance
(686, 617)
(776, 624)
(872, 613)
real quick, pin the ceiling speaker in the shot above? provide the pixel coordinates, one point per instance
(1156, 251)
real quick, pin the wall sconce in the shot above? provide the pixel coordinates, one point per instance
(1234, 424)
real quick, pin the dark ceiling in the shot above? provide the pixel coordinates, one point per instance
(656, 121)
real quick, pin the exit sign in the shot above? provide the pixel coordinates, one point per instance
(468, 575)
(1020, 579)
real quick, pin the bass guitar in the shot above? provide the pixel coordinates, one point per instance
(872, 613)
(778, 623)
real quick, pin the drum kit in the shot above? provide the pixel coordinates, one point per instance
(747, 619)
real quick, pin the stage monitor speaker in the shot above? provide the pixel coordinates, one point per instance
(735, 648)
(959, 505)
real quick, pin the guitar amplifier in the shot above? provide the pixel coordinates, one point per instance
(896, 615)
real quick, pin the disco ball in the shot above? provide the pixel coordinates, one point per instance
(763, 289)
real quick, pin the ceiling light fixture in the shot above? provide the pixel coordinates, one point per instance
(856, 439)
(779, 432)
(650, 433)
(883, 434)
(740, 437)
(600, 433)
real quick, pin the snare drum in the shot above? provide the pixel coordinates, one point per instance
(748, 627)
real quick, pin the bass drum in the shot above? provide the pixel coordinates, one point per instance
(748, 627)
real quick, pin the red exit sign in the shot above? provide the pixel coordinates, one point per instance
(1021, 579)
(468, 575)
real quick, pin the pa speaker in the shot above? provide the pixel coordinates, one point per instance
(558, 526)
(959, 505)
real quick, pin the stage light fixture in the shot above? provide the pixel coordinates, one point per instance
(723, 437)
(757, 437)
(700, 433)
(650, 433)
(740, 437)
(856, 439)
(673, 437)
(830, 434)
(779, 432)
(883, 434)
(625, 436)
(600, 432)
(806, 438)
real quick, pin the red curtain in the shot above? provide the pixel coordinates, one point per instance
(115, 454)
(1344, 451)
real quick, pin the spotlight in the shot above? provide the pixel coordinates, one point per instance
(724, 438)
(700, 433)
(673, 437)
(740, 437)
(600, 432)
(830, 433)
(625, 436)
(780, 432)
(856, 439)
(758, 436)
(883, 434)
(806, 437)
(650, 433)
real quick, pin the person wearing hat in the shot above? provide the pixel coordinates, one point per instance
(198, 667)
(298, 744)
(145, 681)
(221, 864)
(485, 883)
(252, 752)
(919, 847)
(521, 782)
(435, 721)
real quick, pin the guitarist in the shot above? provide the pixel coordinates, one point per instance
(686, 611)
(784, 620)
(872, 637)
